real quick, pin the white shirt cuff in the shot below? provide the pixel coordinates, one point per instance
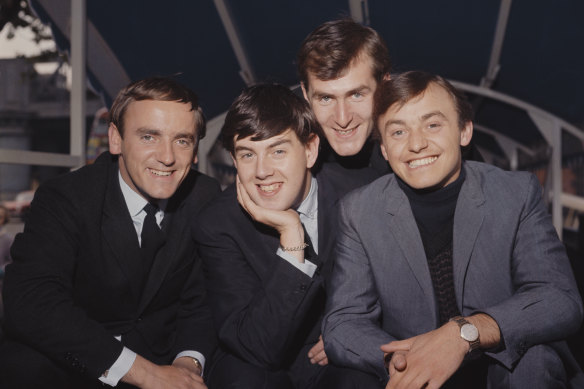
(121, 366)
(307, 267)
(193, 354)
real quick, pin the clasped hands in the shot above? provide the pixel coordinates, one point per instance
(427, 360)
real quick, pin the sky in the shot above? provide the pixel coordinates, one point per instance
(21, 44)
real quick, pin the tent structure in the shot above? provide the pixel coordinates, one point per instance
(520, 61)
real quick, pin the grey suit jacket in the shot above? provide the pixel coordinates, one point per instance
(507, 260)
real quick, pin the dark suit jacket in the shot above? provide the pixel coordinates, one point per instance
(75, 280)
(507, 261)
(266, 311)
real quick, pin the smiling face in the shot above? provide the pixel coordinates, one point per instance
(157, 149)
(275, 172)
(421, 140)
(344, 106)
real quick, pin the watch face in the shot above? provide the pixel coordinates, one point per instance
(469, 332)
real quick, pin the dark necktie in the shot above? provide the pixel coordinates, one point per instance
(152, 238)
(309, 252)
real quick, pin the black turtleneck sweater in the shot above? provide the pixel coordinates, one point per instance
(434, 214)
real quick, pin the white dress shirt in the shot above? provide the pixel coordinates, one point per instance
(308, 211)
(135, 204)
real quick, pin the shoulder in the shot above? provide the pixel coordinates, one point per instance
(82, 185)
(368, 199)
(496, 182)
(195, 191)
(221, 212)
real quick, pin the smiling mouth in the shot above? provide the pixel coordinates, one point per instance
(270, 188)
(346, 132)
(422, 162)
(159, 173)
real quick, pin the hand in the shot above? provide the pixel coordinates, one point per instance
(287, 222)
(317, 354)
(147, 375)
(427, 360)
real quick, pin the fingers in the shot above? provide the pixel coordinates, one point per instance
(317, 353)
(397, 345)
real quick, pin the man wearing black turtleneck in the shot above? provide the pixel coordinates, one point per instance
(447, 273)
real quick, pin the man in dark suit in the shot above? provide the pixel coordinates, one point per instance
(452, 269)
(105, 284)
(266, 244)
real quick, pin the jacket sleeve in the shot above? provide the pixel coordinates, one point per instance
(39, 293)
(259, 318)
(351, 326)
(545, 305)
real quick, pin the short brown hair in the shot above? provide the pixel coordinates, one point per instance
(264, 111)
(159, 89)
(406, 86)
(332, 47)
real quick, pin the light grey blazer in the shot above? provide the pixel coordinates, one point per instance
(507, 260)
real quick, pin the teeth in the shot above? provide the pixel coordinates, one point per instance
(422, 162)
(160, 173)
(269, 188)
(345, 132)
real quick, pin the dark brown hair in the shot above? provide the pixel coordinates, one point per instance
(265, 110)
(159, 89)
(401, 89)
(333, 46)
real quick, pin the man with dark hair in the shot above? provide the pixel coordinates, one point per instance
(105, 284)
(340, 65)
(265, 243)
(452, 269)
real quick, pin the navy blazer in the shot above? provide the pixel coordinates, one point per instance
(266, 311)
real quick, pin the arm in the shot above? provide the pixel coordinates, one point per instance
(38, 292)
(351, 328)
(259, 301)
(545, 305)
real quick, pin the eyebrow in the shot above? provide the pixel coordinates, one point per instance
(432, 114)
(271, 145)
(154, 131)
(360, 88)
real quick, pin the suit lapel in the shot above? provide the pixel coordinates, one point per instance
(118, 231)
(403, 226)
(468, 218)
(327, 219)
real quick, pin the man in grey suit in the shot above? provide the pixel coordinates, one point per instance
(448, 273)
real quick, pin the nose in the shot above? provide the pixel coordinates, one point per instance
(417, 141)
(165, 153)
(343, 116)
(264, 168)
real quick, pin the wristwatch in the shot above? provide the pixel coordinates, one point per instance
(468, 332)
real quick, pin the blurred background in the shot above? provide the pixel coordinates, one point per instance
(521, 62)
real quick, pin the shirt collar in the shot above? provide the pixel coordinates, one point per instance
(134, 201)
(309, 205)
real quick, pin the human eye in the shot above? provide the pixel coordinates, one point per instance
(148, 138)
(325, 99)
(397, 133)
(279, 153)
(184, 142)
(244, 156)
(357, 95)
(434, 125)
